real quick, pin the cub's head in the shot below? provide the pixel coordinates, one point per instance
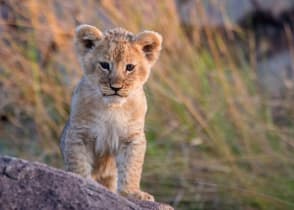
(116, 62)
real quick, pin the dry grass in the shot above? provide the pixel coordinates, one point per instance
(212, 141)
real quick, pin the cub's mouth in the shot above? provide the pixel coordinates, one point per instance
(114, 99)
(114, 94)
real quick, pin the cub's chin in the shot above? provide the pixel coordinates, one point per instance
(114, 100)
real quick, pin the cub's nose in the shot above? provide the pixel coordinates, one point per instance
(115, 87)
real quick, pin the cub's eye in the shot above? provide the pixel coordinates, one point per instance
(130, 67)
(105, 65)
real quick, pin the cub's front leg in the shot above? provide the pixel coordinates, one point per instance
(76, 155)
(130, 160)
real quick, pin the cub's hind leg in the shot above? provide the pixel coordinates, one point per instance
(105, 172)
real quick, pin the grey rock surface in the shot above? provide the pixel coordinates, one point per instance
(276, 73)
(27, 185)
(219, 13)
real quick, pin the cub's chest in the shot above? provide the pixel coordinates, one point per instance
(110, 124)
(109, 129)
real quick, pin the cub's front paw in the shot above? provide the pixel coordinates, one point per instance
(139, 195)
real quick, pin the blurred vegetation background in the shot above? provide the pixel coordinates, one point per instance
(220, 125)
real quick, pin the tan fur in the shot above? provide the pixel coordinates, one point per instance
(104, 137)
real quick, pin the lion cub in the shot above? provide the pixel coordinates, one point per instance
(104, 137)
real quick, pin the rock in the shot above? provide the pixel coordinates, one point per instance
(191, 11)
(27, 185)
(276, 73)
(226, 12)
(273, 6)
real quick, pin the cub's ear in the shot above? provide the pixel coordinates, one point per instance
(150, 43)
(87, 37)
